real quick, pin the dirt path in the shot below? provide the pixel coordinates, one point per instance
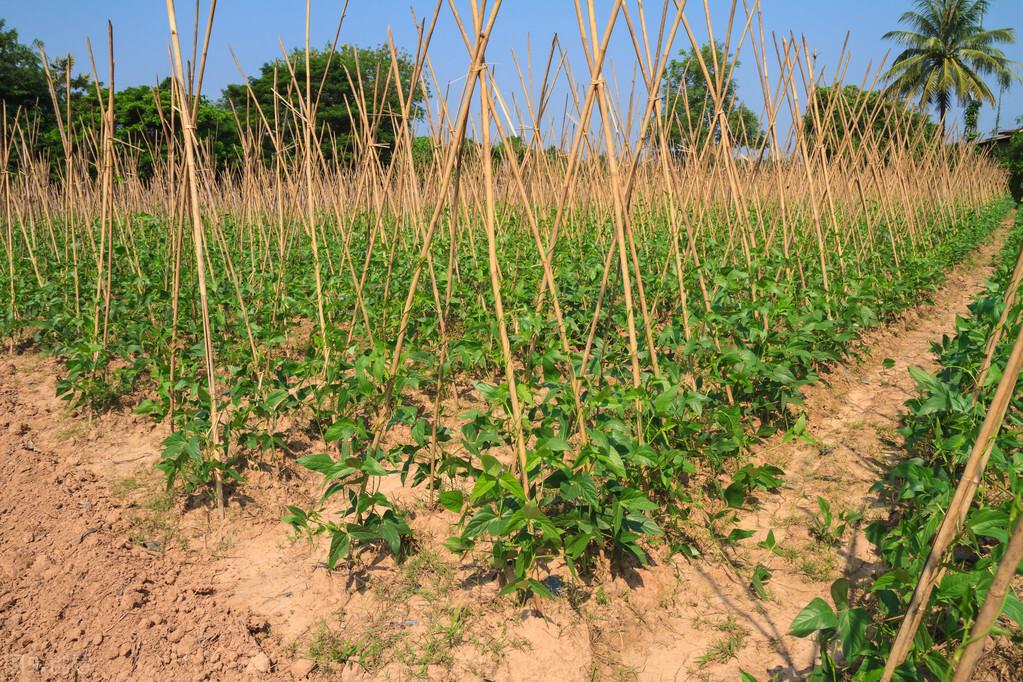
(852, 416)
(105, 576)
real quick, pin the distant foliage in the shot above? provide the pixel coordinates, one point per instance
(859, 114)
(22, 81)
(1014, 162)
(354, 75)
(690, 114)
(143, 113)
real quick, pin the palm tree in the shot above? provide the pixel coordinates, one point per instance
(948, 53)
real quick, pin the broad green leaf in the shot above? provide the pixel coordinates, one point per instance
(852, 631)
(482, 487)
(840, 593)
(735, 495)
(321, 463)
(817, 615)
(452, 500)
(555, 445)
(343, 428)
(340, 543)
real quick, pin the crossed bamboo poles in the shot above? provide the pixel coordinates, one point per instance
(802, 191)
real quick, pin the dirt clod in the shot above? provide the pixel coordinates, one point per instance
(260, 663)
(301, 668)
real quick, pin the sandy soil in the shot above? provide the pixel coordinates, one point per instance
(103, 575)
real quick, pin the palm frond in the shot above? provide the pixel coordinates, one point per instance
(947, 53)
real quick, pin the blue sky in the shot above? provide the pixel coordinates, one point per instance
(252, 29)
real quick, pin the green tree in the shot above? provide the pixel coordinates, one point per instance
(948, 53)
(971, 117)
(1013, 160)
(145, 125)
(22, 80)
(689, 115)
(25, 92)
(861, 113)
(512, 145)
(423, 151)
(337, 115)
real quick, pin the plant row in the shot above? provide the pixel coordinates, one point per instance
(940, 428)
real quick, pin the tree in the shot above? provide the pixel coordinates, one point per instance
(355, 75)
(145, 125)
(1013, 160)
(948, 53)
(861, 113)
(22, 79)
(512, 145)
(26, 94)
(690, 114)
(971, 117)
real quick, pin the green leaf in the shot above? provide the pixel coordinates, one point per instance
(769, 543)
(532, 511)
(389, 532)
(852, 631)
(613, 461)
(512, 485)
(555, 445)
(735, 495)
(738, 534)
(147, 406)
(1013, 608)
(491, 465)
(372, 467)
(539, 588)
(340, 543)
(482, 487)
(663, 402)
(817, 615)
(295, 517)
(478, 522)
(840, 593)
(457, 545)
(343, 428)
(320, 463)
(761, 574)
(275, 398)
(452, 500)
(924, 379)
(991, 523)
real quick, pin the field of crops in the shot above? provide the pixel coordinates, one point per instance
(574, 359)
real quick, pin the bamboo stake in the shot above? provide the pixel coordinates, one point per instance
(993, 603)
(192, 177)
(958, 508)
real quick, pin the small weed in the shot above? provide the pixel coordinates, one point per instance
(368, 651)
(70, 432)
(817, 562)
(726, 648)
(160, 502)
(426, 574)
(123, 488)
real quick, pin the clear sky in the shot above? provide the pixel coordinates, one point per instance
(252, 29)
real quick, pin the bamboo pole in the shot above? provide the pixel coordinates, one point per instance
(198, 242)
(958, 509)
(992, 607)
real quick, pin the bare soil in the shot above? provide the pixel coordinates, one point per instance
(104, 575)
